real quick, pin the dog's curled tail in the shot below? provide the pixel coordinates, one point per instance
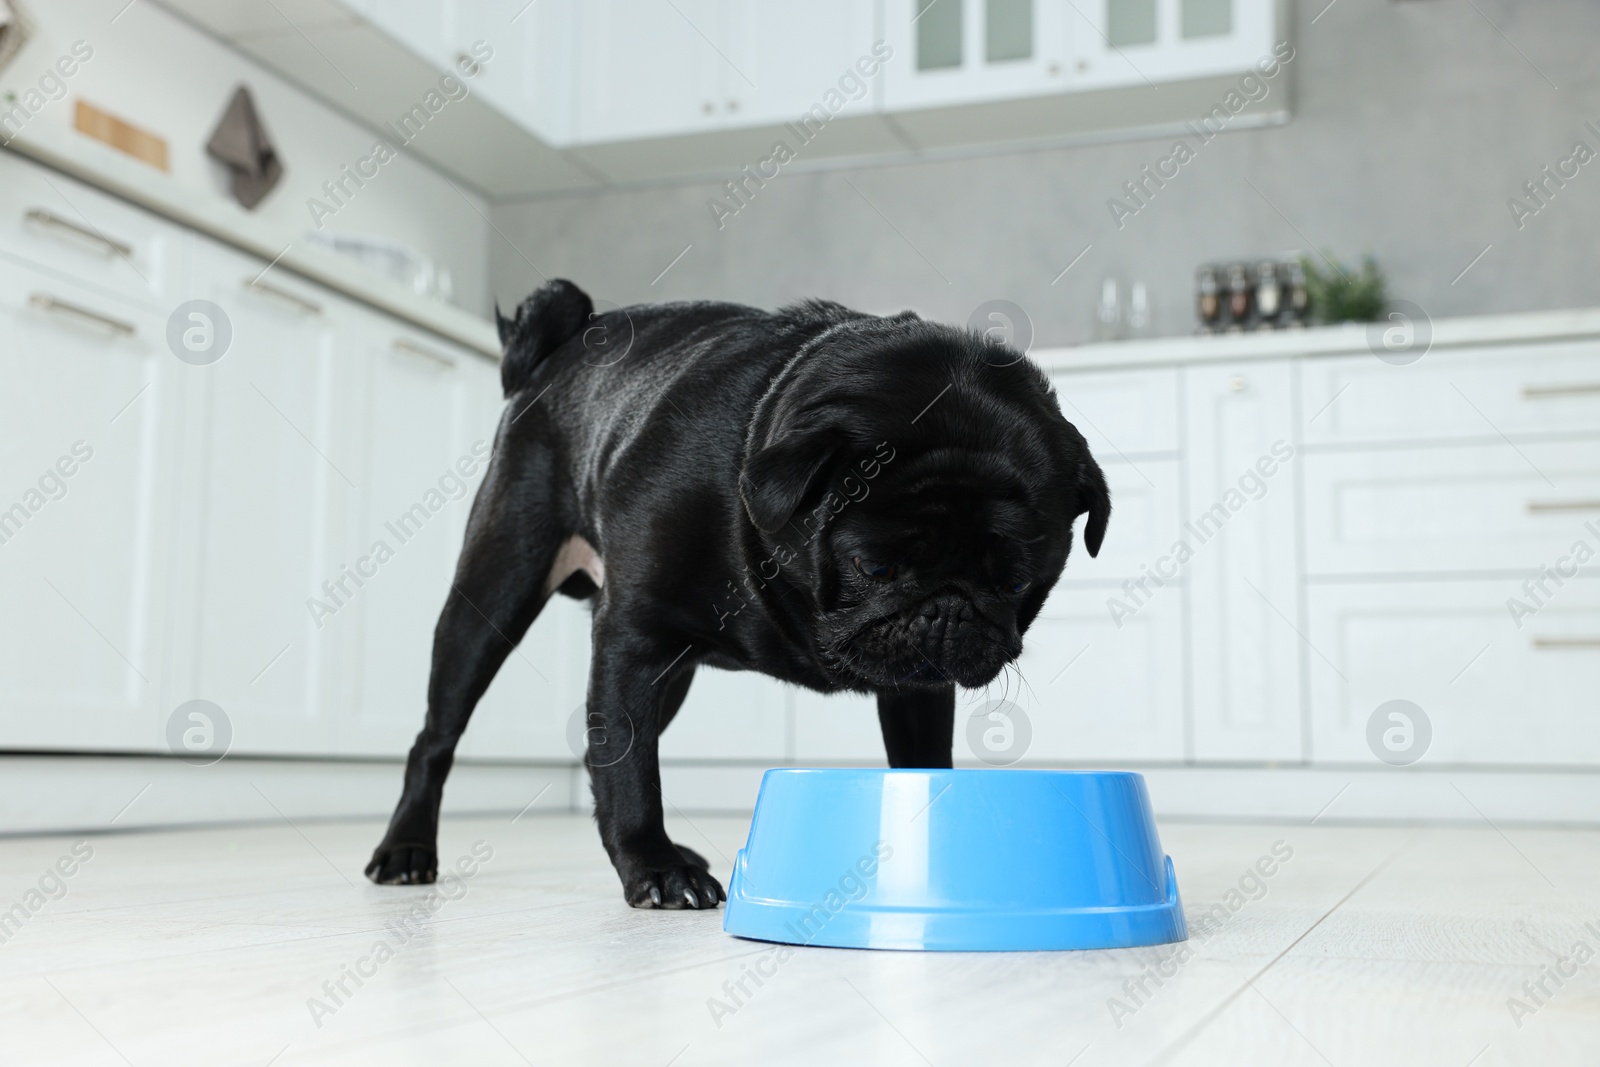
(550, 316)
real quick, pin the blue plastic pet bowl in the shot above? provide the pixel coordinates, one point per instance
(957, 860)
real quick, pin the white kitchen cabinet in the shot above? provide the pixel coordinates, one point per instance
(91, 409)
(952, 52)
(729, 715)
(273, 486)
(649, 69)
(1241, 510)
(1145, 524)
(1123, 414)
(791, 58)
(1144, 42)
(422, 452)
(582, 72)
(183, 529)
(529, 77)
(970, 51)
(1493, 692)
(1098, 688)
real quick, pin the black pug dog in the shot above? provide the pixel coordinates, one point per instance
(839, 500)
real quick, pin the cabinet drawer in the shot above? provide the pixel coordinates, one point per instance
(1493, 692)
(1450, 508)
(1122, 412)
(73, 231)
(1527, 389)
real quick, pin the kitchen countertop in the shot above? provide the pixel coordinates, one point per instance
(1344, 340)
(105, 168)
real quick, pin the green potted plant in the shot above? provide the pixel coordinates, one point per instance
(1343, 293)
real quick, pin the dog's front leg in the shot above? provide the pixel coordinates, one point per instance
(918, 726)
(634, 686)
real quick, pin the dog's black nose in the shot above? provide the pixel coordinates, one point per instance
(943, 618)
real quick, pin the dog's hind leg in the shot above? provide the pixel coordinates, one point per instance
(514, 535)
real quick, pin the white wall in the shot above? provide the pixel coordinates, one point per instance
(161, 74)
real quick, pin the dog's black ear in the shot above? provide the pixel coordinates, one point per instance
(548, 318)
(503, 326)
(777, 477)
(1095, 498)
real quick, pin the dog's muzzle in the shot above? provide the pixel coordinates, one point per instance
(944, 640)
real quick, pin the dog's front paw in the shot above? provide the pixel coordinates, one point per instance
(677, 887)
(404, 863)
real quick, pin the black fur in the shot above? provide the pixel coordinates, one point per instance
(838, 500)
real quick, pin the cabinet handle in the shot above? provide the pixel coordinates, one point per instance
(1537, 506)
(403, 345)
(310, 307)
(62, 307)
(50, 219)
(1545, 392)
(1551, 643)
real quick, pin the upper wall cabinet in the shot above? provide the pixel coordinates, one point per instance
(1143, 42)
(515, 55)
(969, 51)
(951, 52)
(794, 58)
(647, 68)
(591, 72)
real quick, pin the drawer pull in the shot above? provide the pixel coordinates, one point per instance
(1545, 392)
(310, 307)
(1537, 506)
(1551, 643)
(403, 345)
(50, 219)
(62, 307)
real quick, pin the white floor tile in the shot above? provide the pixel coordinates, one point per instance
(1369, 946)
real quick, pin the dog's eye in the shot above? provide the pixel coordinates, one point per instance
(1020, 586)
(881, 572)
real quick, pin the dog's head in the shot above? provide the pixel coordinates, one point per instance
(921, 485)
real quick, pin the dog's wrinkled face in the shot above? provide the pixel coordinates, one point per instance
(927, 554)
(933, 583)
